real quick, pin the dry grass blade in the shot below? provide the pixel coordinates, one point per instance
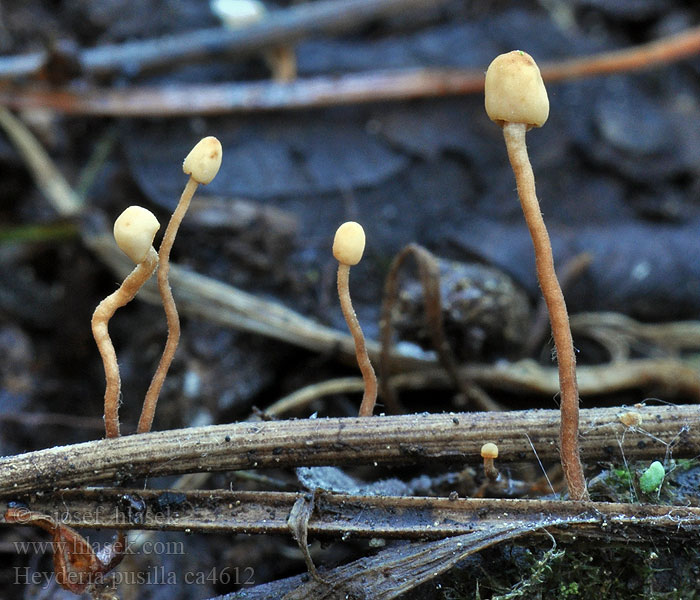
(47, 176)
(409, 566)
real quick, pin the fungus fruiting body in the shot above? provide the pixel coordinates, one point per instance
(134, 231)
(489, 452)
(243, 13)
(201, 164)
(348, 247)
(631, 419)
(516, 99)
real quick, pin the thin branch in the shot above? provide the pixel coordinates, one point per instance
(47, 419)
(278, 27)
(316, 92)
(48, 177)
(342, 515)
(302, 397)
(246, 97)
(657, 52)
(403, 439)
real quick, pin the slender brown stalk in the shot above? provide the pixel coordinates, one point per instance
(100, 320)
(369, 398)
(514, 134)
(171, 315)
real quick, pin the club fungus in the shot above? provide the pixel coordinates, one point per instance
(348, 246)
(489, 452)
(134, 231)
(201, 164)
(516, 99)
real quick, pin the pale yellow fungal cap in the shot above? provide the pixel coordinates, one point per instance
(514, 91)
(204, 160)
(238, 13)
(489, 450)
(349, 243)
(134, 231)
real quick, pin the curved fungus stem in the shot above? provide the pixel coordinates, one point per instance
(348, 246)
(201, 164)
(134, 231)
(171, 315)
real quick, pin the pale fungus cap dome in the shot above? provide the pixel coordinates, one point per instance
(514, 91)
(204, 160)
(489, 450)
(349, 243)
(238, 13)
(134, 231)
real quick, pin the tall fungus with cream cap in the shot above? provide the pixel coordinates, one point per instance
(201, 164)
(134, 231)
(516, 99)
(348, 247)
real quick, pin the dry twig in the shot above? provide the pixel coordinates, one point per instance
(403, 439)
(341, 515)
(279, 27)
(355, 88)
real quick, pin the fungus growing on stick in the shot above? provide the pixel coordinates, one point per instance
(201, 164)
(489, 452)
(348, 246)
(516, 99)
(134, 231)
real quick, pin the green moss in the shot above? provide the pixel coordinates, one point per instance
(673, 483)
(614, 572)
(663, 571)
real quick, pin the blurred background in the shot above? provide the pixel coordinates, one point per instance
(617, 168)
